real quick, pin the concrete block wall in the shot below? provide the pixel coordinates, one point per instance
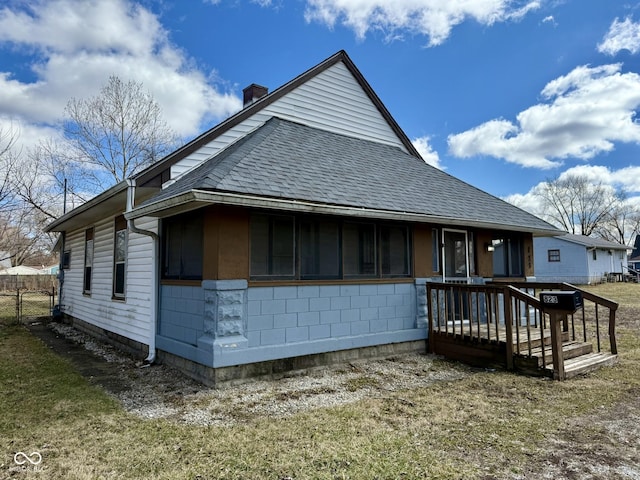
(181, 313)
(295, 314)
(271, 323)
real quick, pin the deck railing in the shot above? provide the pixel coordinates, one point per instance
(512, 314)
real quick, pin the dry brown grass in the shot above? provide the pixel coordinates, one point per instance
(488, 425)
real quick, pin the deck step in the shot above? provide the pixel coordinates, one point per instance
(587, 363)
(536, 341)
(569, 350)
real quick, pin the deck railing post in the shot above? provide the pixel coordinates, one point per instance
(508, 323)
(557, 320)
(612, 331)
(430, 319)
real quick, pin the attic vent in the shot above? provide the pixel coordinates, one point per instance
(253, 93)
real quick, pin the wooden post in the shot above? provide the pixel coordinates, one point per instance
(612, 331)
(508, 323)
(557, 319)
(430, 315)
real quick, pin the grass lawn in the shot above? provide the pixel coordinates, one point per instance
(488, 425)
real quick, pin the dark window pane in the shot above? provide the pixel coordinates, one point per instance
(88, 260)
(183, 247)
(515, 258)
(499, 257)
(87, 279)
(359, 249)
(118, 285)
(281, 232)
(319, 249)
(272, 246)
(394, 251)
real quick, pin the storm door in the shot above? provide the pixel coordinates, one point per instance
(455, 254)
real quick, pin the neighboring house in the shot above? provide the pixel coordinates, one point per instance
(578, 259)
(50, 270)
(304, 225)
(20, 270)
(634, 257)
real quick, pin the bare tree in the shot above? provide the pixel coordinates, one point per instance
(622, 223)
(116, 134)
(8, 139)
(577, 205)
(107, 138)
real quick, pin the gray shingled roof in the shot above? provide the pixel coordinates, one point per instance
(287, 160)
(592, 242)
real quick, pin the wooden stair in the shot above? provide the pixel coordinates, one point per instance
(588, 363)
(579, 359)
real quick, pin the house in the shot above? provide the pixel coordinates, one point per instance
(20, 270)
(301, 230)
(634, 256)
(578, 259)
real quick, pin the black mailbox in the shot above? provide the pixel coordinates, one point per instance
(562, 300)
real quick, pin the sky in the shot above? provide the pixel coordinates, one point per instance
(504, 94)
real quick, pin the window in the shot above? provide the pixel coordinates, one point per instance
(66, 259)
(595, 255)
(88, 260)
(394, 251)
(319, 249)
(182, 247)
(508, 257)
(553, 255)
(287, 247)
(359, 250)
(272, 246)
(119, 256)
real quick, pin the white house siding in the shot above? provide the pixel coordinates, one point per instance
(572, 267)
(604, 263)
(130, 317)
(576, 264)
(333, 100)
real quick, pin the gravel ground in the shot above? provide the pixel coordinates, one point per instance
(160, 391)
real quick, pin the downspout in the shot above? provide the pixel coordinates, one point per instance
(153, 307)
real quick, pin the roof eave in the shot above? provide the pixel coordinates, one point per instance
(85, 213)
(193, 199)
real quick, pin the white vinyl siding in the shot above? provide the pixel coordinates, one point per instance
(129, 318)
(332, 100)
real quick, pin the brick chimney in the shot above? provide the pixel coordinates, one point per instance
(253, 93)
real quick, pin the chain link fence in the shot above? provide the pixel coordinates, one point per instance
(23, 305)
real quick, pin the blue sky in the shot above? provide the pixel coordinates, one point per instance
(502, 94)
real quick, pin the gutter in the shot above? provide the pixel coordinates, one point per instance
(197, 198)
(155, 239)
(104, 196)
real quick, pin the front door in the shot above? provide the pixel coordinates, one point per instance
(455, 255)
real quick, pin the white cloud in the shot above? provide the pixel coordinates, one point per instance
(623, 35)
(585, 112)
(75, 45)
(427, 152)
(433, 18)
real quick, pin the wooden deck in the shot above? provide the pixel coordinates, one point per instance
(500, 327)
